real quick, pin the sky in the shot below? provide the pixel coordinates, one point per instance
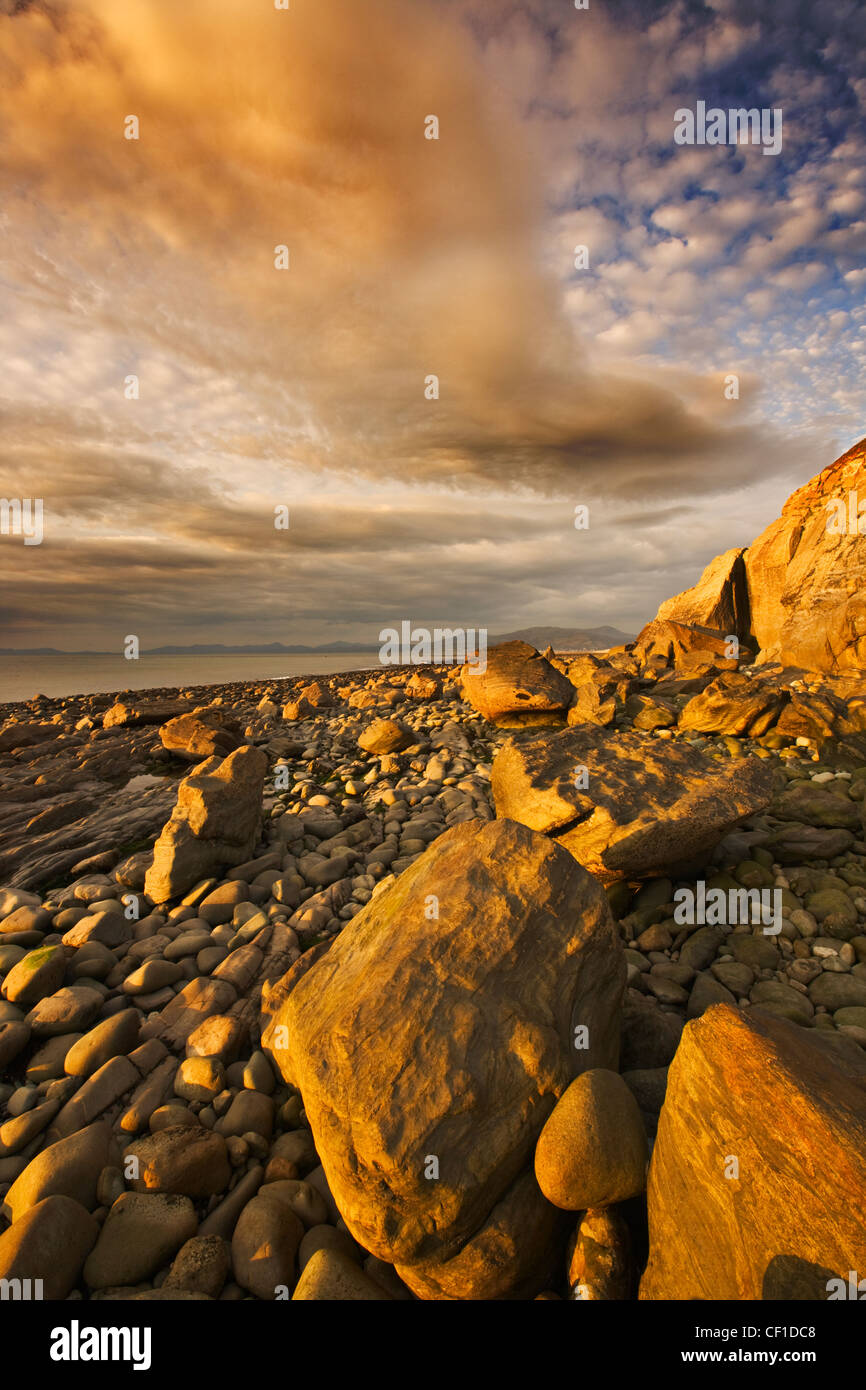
(602, 384)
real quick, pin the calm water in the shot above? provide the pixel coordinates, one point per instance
(22, 677)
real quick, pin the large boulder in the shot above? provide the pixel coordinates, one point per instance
(205, 733)
(517, 1251)
(822, 713)
(625, 805)
(805, 577)
(719, 600)
(807, 582)
(384, 736)
(432, 1040)
(214, 823)
(732, 704)
(518, 687)
(687, 646)
(601, 691)
(757, 1182)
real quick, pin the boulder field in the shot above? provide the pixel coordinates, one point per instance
(542, 983)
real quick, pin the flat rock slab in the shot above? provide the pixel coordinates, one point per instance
(120, 817)
(626, 806)
(763, 1092)
(27, 735)
(143, 712)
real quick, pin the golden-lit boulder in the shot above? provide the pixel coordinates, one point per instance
(432, 1040)
(384, 736)
(625, 805)
(592, 1152)
(518, 687)
(202, 734)
(757, 1184)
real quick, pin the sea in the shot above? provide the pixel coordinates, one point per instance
(22, 677)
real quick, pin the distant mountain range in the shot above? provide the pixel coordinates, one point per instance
(567, 639)
(206, 649)
(564, 639)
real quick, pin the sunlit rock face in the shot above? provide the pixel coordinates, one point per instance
(799, 588)
(742, 1203)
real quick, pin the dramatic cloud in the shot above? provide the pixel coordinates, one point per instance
(154, 258)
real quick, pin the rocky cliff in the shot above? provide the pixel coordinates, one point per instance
(798, 590)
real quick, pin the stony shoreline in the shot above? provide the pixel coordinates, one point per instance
(157, 1131)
